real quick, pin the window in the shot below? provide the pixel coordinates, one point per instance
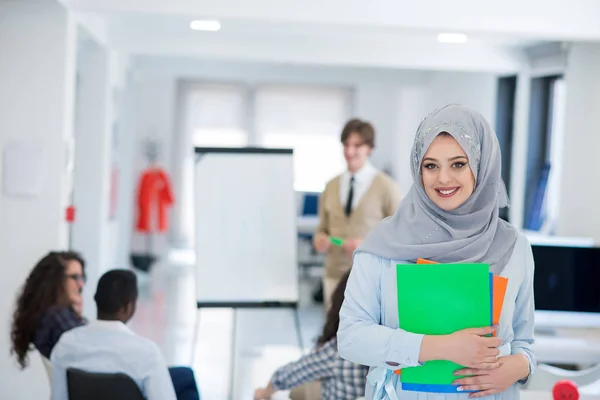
(552, 201)
(543, 156)
(215, 115)
(308, 120)
(505, 109)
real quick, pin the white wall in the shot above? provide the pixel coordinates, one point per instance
(580, 191)
(91, 229)
(476, 90)
(102, 145)
(37, 65)
(123, 149)
(395, 101)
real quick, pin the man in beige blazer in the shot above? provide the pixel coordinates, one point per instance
(352, 203)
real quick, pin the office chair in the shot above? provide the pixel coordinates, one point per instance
(84, 385)
(310, 207)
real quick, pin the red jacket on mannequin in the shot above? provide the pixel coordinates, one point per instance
(155, 196)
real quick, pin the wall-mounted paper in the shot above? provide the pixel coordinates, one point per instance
(23, 169)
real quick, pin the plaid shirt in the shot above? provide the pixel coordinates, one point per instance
(340, 379)
(53, 323)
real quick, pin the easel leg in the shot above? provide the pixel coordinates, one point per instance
(298, 330)
(232, 356)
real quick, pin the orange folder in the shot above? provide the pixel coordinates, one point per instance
(499, 285)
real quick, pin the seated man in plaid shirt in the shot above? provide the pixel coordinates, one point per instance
(340, 379)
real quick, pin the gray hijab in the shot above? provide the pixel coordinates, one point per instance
(471, 233)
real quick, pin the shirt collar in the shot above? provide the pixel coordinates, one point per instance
(109, 325)
(362, 173)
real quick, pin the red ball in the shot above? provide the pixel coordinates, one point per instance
(565, 390)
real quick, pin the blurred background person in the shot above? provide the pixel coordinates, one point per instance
(50, 303)
(352, 203)
(321, 374)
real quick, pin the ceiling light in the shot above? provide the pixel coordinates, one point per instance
(205, 25)
(452, 38)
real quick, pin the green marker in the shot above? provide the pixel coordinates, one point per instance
(336, 241)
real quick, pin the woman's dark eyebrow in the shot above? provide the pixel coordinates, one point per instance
(450, 159)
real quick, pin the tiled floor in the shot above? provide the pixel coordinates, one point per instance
(264, 338)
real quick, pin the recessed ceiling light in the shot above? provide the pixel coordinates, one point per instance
(452, 38)
(205, 25)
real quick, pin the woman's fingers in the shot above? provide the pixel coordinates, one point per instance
(472, 388)
(474, 383)
(490, 360)
(483, 393)
(489, 365)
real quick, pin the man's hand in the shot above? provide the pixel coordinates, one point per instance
(351, 244)
(264, 393)
(321, 242)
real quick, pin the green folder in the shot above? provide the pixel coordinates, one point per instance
(439, 299)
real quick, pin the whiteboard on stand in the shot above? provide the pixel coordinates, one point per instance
(245, 228)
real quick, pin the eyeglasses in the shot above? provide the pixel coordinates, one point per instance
(77, 277)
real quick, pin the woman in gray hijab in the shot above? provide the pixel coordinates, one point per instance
(449, 215)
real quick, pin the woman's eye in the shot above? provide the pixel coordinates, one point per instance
(429, 166)
(458, 165)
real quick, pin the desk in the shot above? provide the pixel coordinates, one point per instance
(307, 224)
(576, 350)
(568, 345)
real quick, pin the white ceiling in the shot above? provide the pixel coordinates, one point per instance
(386, 33)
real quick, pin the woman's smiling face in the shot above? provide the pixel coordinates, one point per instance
(447, 177)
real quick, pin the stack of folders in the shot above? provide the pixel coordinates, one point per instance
(440, 299)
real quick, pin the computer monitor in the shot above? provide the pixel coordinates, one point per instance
(567, 285)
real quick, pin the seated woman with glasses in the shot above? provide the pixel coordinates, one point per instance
(49, 304)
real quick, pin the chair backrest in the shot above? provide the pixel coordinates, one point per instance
(84, 385)
(310, 205)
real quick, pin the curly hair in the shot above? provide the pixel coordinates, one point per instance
(43, 289)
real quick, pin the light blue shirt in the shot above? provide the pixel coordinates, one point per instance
(369, 331)
(110, 347)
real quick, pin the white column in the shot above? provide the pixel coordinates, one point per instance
(578, 214)
(519, 148)
(37, 64)
(127, 172)
(181, 232)
(92, 165)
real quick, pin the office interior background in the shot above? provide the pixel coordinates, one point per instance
(89, 88)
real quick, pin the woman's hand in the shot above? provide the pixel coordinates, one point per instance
(472, 348)
(321, 242)
(487, 382)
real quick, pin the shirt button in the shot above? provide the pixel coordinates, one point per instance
(407, 360)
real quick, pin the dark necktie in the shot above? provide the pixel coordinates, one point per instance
(350, 195)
